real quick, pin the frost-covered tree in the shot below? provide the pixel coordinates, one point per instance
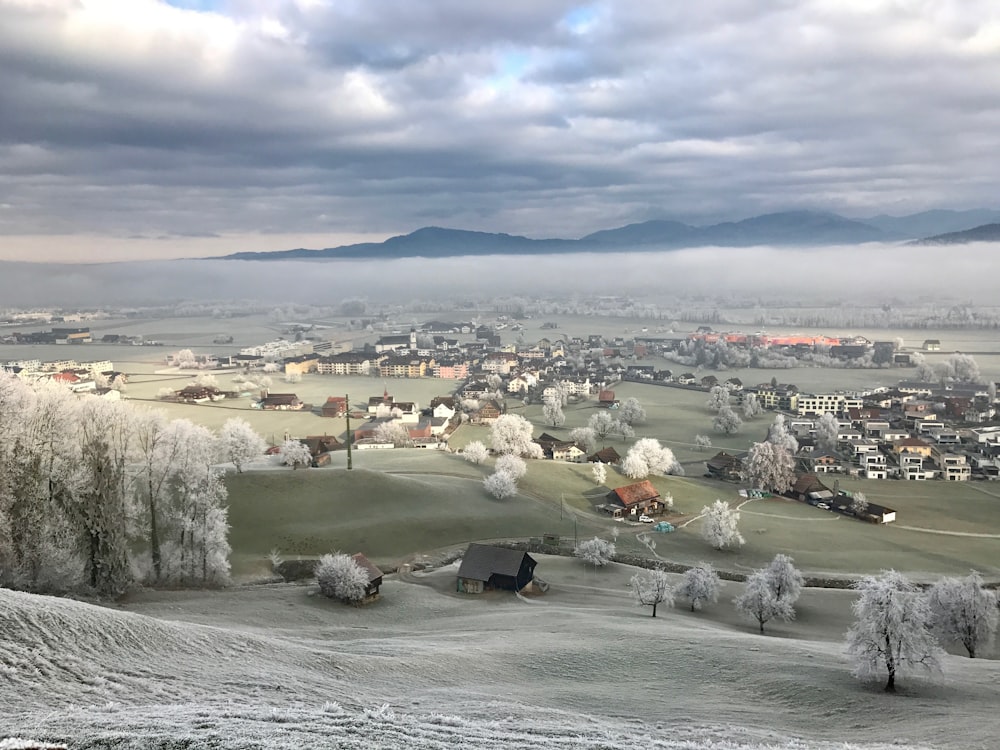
(511, 464)
(185, 359)
(758, 601)
(631, 412)
(494, 381)
(511, 433)
(647, 457)
(394, 432)
(961, 368)
(501, 485)
(784, 578)
(206, 380)
(602, 423)
(963, 611)
(552, 412)
(892, 630)
(751, 406)
(720, 525)
(340, 577)
(239, 443)
(718, 396)
(769, 466)
(600, 472)
(700, 585)
(859, 504)
(652, 589)
(595, 551)
(293, 377)
(623, 429)
(779, 435)
(384, 411)
(702, 442)
(727, 421)
(585, 438)
(475, 452)
(827, 432)
(294, 453)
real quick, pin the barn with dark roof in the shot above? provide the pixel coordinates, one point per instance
(486, 567)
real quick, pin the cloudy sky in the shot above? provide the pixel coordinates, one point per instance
(146, 128)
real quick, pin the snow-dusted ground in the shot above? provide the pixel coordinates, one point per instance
(580, 667)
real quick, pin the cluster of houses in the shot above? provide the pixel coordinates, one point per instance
(99, 377)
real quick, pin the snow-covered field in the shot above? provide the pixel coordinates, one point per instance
(276, 666)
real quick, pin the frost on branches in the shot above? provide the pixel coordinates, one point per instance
(600, 472)
(631, 412)
(501, 485)
(239, 443)
(552, 412)
(596, 551)
(827, 432)
(585, 437)
(962, 611)
(395, 433)
(779, 435)
(294, 453)
(758, 601)
(475, 452)
(751, 406)
(647, 457)
(719, 525)
(701, 442)
(340, 577)
(784, 578)
(511, 433)
(769, 467)
(511, 464)
(700, 585)
(718, 396)
(652, 589)
(727, 421)
(892, 630)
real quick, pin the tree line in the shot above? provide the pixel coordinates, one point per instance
(96, 494)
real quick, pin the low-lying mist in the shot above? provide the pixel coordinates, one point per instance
(861, 273)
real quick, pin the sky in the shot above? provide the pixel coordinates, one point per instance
(149, 129)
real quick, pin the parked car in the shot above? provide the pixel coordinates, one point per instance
(645, 519)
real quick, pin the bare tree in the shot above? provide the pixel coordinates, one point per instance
(652, 589)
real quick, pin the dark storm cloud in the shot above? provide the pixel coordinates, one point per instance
(542, 117)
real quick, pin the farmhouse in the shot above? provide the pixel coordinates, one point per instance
(725, 466)
(281, 402)
(335, 406)
(486, 567)
(605, 456)
(634, 499)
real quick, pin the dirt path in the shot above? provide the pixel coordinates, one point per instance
(950, 533)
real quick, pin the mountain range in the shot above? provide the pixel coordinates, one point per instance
(800, 228)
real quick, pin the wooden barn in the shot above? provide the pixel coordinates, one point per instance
(486, 567)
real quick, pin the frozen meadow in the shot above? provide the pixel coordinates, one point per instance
(277, 666)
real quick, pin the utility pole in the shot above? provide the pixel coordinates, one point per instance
(347, 413)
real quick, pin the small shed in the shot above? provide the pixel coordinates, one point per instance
(374, 574)
(487, 567)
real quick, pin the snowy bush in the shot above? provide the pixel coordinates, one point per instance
(596, 551)
(340, 577)
(501, 485)
(475, 452)
(511, 464)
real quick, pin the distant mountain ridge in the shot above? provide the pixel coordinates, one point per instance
(797, 228)
(983, 233)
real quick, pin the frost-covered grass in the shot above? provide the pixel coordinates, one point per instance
(424, 667)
